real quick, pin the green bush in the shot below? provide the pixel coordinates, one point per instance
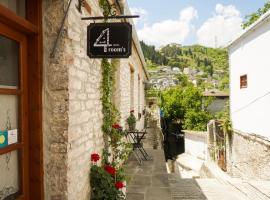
(187, 104)
(103, 185)
(196, 120)
(131, 121)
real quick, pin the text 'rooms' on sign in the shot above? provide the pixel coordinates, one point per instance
(109, 40)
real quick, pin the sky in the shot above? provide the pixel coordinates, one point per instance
(206, 22)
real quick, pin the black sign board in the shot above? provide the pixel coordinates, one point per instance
(109, 40)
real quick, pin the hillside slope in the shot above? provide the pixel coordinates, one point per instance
(208, 65)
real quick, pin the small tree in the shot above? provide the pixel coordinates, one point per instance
(186, 103)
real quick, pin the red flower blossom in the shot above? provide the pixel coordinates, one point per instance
(116, 126)
(111, 170)
(119, 185)
(132, 111)
(95, 157)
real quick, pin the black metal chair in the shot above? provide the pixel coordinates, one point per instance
(135, 138)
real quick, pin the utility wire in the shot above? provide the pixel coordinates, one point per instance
(252, 102)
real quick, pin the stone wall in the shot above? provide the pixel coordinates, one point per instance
(55, 103)
(122, 92)
(85, 108)
(196, 143)
(72, 106)
(249, 156)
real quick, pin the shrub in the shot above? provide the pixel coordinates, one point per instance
(103, 185)
(187, 104)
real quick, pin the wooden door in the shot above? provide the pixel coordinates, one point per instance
(14, 134)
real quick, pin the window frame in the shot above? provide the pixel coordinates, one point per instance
(243, 81)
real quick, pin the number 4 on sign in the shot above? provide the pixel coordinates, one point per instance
(103, 40)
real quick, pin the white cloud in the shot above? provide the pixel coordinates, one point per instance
(139, 11)
(169, 31)
(222, 28)
(188, 14)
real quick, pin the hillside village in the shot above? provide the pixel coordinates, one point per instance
(89, 111)
(204, 67)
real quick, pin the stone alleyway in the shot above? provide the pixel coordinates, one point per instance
(150, 181)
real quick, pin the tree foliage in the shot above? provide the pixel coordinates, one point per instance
(186, 103)
(151, 54)
(253, 17)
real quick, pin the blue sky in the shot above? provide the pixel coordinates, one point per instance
(207, 22)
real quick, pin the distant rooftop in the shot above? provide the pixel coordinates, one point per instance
(215, 93)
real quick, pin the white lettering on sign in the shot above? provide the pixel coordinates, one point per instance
(103, 40)
(121, 50)
(12, 136)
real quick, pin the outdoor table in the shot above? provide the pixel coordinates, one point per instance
(137, 137)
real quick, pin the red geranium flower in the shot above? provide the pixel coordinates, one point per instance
(111, 170)
(116, 126)
(95, 157)
(119, 185)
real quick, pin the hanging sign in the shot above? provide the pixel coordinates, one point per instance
(109, 40)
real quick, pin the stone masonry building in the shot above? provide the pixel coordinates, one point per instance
(63, 113)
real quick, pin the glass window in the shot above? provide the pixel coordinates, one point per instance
(17, 6)
(9, 175)
(8, 112)
(9, 63)
(243, 81)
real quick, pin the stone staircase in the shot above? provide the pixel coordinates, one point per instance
(213, 182)
(192, 180)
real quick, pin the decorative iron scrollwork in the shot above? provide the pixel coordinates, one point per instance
(79, 5)
(109, 10)
(113, 10)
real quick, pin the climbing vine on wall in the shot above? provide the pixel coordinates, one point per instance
(108, 109)
(114, 148)
(108, 178)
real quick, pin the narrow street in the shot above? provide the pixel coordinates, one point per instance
(150, 181)
(183, 84)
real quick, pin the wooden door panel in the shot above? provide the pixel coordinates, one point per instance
(14, 151)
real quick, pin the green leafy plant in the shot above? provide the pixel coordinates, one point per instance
(105, 181)
(224, 119)
(131, 121)
(196, 120)
(187, 104)
(253, 17)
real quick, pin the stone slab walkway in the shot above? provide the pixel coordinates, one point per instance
(150, 181)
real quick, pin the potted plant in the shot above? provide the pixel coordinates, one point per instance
(131, 121)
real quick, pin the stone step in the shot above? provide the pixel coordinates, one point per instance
(249, 191)
(189, 162)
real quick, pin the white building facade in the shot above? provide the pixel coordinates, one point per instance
(249, 155)
(249, 56)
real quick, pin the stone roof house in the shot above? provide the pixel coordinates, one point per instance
(53, 103)
(219, 100)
